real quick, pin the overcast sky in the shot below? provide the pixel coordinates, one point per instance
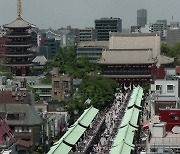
(82, 13)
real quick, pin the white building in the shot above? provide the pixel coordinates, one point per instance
(164, 93)
(162, 142)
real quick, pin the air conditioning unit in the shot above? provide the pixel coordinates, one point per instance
(155, 120)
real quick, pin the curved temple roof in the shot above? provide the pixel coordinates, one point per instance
(19, 23)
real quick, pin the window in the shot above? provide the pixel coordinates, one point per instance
(153, 150)
(56, 84)
(170, 88)
(13, 117)
(65, 84)
(175, 118)
(22, 116)
(55, 92)
(158, 87)
(45, 91)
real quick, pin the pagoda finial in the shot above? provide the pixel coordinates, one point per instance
(19, 9)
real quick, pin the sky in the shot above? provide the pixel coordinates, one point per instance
(82, 13)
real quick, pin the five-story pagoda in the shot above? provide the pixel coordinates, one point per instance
(18, 54)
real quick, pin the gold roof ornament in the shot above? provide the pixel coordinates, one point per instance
(19, 9)
(19, 22)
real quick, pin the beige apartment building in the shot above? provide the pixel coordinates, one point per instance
(61, 85)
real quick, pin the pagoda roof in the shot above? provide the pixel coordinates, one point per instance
(19, 23)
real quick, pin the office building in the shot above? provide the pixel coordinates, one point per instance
(104, 26)
(141, 17)
(161, 27)
(135, 29)
(91, 49)
(174, 24)
(173, 36)
(48, 47)
(87, 34)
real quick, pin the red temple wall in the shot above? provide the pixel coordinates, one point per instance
(157, 73)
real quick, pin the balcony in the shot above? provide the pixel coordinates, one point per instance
(18, 44)
(24, 135)
(18, 54)
(19, 63)
(16, 33)
(18, 36)
(126, 72)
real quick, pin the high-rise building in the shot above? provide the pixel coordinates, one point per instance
(174, 25)
(48, 46)
(161, 27)
(105, 25)
(91, 49)
(141, 17)
(135, 29)
(173, 36)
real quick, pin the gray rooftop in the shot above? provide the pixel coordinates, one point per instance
(31, 117)
(41, 60)
(169, 140)
(127, 57)
(18, 23)
(132, 34)
(165, 60)
(94, 44)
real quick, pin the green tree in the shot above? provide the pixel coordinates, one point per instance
(171, 51)
(36, 97)
(5, 71)
(99, 89)
(66, 60)
(46, 80)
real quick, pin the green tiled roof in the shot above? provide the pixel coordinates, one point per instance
(134, 117)
(74, 134)
(131, 117)
(60, 148)
(89, 116)
(136, 97)
(64, 145)
(123, 143)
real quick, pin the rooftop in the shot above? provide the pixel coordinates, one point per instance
(41, 60)
(18, 23)
(42, 86)
(132, 34)
(165, 60)
(26, 112)
(19, 97)
(127, 57)
(170, 140)
(94, 44)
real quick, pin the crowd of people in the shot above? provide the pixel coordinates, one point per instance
(113, 118)
(99, 137)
